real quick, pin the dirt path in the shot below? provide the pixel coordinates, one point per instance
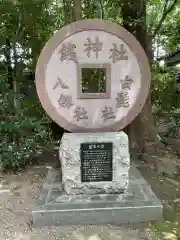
(17, 195)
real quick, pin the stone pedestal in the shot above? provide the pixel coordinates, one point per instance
(71, 162)
(138, 205)
(66, 200)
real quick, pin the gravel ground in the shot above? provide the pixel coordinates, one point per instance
(17, 195)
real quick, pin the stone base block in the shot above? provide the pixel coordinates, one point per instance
(138, 205)
(70, 157)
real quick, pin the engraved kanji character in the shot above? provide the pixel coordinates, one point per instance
(61, 83)
(65, 101)
(80, 113)
(126, 83)
(67, 52)
(107, 113)
(118, 54)
(95, 47)
(122, 100)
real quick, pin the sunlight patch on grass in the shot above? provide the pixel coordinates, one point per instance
(169, 230)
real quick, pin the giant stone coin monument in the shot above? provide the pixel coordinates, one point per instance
(92, 79)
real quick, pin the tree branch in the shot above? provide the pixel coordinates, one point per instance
(165, 6)
(166, 11)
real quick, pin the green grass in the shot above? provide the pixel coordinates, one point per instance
(168, 226)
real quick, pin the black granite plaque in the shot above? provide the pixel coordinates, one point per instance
(96, 162)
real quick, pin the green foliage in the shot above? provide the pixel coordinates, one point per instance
(164, 88)
(25, 27)
(165, 96)
(171, 32)
(93, 80)
(22, 136)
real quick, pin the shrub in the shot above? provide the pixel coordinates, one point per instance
(22, 134)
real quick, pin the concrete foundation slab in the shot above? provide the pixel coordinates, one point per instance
(138, 205)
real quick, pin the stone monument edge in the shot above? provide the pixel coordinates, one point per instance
(92, 24)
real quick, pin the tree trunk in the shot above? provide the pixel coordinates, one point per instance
(16, 80)
(8, 63)
(142, 132)
(77, 10)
